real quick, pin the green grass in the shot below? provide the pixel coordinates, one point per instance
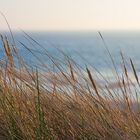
(67, 104)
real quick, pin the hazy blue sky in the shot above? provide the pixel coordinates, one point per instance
(71, 14)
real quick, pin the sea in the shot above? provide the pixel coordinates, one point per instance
(87, 48)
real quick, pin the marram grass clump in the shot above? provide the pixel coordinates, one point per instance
(65, 104)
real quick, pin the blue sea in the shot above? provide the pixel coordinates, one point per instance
(85, 48)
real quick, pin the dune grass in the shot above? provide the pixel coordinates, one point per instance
(65, 104)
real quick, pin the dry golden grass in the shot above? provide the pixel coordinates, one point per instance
(65, 105)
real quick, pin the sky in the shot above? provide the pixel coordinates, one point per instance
(71, 14)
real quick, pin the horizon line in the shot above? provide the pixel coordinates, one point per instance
(69, 30)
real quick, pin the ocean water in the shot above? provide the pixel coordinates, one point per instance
(86, 48)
